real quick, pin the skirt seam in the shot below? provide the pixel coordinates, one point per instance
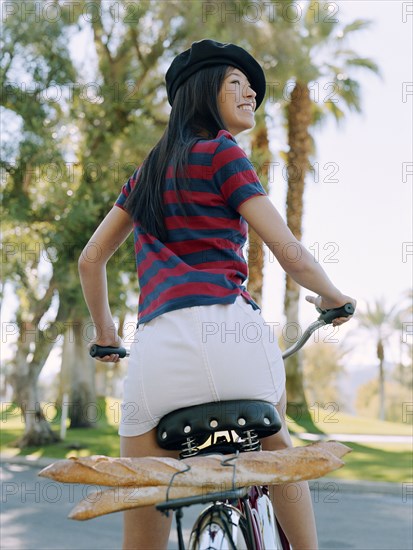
(205, 361)
(276, 385)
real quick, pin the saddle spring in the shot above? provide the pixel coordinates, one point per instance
(250, 442)
(190, 448)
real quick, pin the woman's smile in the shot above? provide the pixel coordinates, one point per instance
(246, 107)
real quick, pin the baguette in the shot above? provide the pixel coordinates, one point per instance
(333, 447)
(265, 467)
(257, 467)
(104, 470)
(118, 499)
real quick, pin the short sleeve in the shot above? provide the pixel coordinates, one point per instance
(234, 175)
(126, 189)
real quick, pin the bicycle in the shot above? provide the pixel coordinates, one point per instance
(240, 518)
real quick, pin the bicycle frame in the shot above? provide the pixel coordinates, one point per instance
(266, 527)
(241, 503)
(176, 505)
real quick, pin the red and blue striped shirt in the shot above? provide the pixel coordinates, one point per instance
(201, 262)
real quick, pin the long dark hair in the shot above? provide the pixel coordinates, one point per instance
(194, 116)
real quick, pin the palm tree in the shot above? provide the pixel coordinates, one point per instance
(403, 324)
(379, 322)
(306, 53)
(261, 158)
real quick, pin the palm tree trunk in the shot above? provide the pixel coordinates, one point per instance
(299, 141)
(261, 158)
(380, 355)
(255, 266)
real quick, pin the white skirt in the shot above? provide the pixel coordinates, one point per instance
(197, 355)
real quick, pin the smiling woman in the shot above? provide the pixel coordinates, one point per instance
(188, 206)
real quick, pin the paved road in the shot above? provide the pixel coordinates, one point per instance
(349, 516)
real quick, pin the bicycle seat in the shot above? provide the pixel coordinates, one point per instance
(201, 421)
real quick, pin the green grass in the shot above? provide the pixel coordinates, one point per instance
(103, 439)
(390, 462)
(330, 421)
(372, 461)
(377, 462)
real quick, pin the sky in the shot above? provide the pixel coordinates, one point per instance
(358, 215)
(357, 224)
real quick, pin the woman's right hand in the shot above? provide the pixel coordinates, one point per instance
(329, 303)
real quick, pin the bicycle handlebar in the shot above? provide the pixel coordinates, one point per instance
(326, 317)
(101, 351)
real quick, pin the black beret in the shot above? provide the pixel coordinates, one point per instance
(207, 53)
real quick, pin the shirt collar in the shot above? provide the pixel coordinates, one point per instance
(226, 134)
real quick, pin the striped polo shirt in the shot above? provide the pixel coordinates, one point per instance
(201, 262)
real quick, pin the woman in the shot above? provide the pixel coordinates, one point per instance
(188, 205)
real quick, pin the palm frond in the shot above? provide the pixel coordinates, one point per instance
(377, 317)
(344, 52)
(356, 25)
(364, 62)
(331, 107)
(319, 115)
(333, 69)
(349, 91)
(317, 21)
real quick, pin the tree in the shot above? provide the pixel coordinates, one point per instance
(379, 322)
(117, 129)
(107, 136)
(323, 367)
(261, 159)
(300, 52)
(309, 51)
(403, 325)
(398, 400)
(38, 53)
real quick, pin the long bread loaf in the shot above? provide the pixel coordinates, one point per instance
(118, 499)
(260, 467)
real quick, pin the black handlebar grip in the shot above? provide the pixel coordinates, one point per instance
(102, 351)
(328, 315)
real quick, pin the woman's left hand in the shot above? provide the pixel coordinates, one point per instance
(115, 342)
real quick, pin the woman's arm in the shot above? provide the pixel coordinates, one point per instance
(110, 234)
(293, 257)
